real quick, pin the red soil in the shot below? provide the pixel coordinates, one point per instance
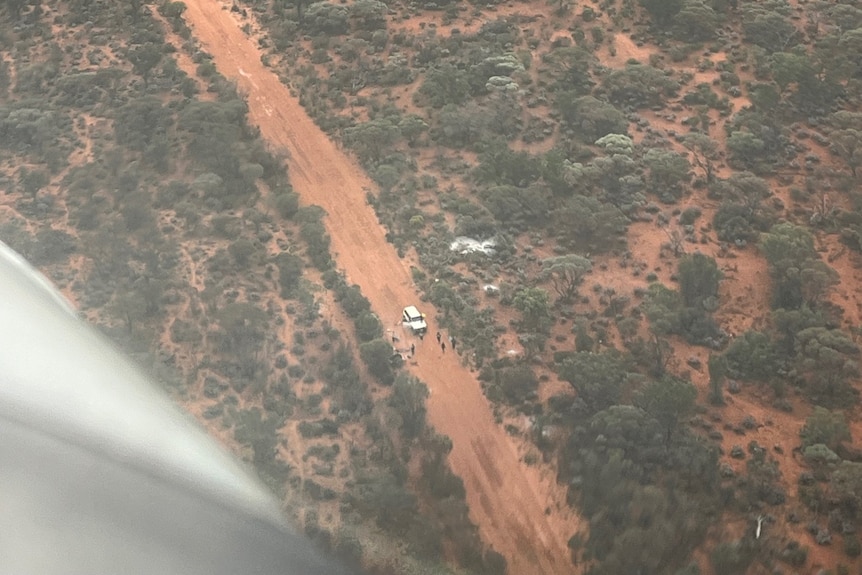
(520, 510)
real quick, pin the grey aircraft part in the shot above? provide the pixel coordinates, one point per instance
(100, 473)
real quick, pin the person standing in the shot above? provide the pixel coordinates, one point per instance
(443, 346)
(438, 337)
(412, 349)
(452, 341)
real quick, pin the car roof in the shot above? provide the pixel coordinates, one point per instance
(411, 310)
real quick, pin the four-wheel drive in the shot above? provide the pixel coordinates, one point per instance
(414, 319)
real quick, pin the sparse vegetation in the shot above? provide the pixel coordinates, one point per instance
(665, 190)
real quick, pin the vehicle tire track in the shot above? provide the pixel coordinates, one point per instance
(515, 506)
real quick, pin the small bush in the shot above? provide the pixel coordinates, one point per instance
(689, 216)
(852, 547)
(368, 327)
(730, 558)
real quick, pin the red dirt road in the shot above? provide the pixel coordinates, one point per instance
(519, 509)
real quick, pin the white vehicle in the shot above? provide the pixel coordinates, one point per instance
(414, 319)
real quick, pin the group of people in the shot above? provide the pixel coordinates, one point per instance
(452, 342)
(443, 343)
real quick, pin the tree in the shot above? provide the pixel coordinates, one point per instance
(746, 149)
(412, 127)
(242, 250)
(639, 85)
(553, 170)
(141, 121)
(584, 223)
(566, 274)
(144, 59)
(705, 152)
(534, 305)
(243, 330)
(243, 324)
(847, 144)
(845, 16)
(616, 144)
(261, 434)
(216, 128)
(799, 275)
(408, 400)
(533, 343)
(325, 18)
(371, 139)
(850, 44)
(765, 24)
(369, 15)
(314, 235)
(377, 355)
(32, 181)
(172, 10)
(669, 172)
(368, 327)
(598, 378)
(662, 11)
(569, 68)
(743, 188)
(826, 362)
(668, 400)
(695, 22)
(131, 307)
(501, 165)
(352, 301)
(503, 110)
(788, 323)
(734, 222)
(519, 208)
(816, 94)
(386, 499)
(729, 558)
(661, 306)
(844, 120)
(752, 356)
(826, 427)
(845, 487)
(290, 269)
(461, 126)
(789, 68)
(287, 204)
(589, 117)
(135, 10)
(14, 7)
(443, 85)
(613, 179)
(699, 277)
(516, 383)
(717, 366)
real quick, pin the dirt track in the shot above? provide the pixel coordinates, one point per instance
(507, 499)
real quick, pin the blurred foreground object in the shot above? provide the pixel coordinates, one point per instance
(101, 474)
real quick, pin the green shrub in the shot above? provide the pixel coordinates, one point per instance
(318, 428)
(377, 355)
(730, 558)
(516, 383)
(287, 204)
(689, 216)
(326, 19)
(368, 327)
(852, 547)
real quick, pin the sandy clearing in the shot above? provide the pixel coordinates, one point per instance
(624, 49)
(520, 510)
